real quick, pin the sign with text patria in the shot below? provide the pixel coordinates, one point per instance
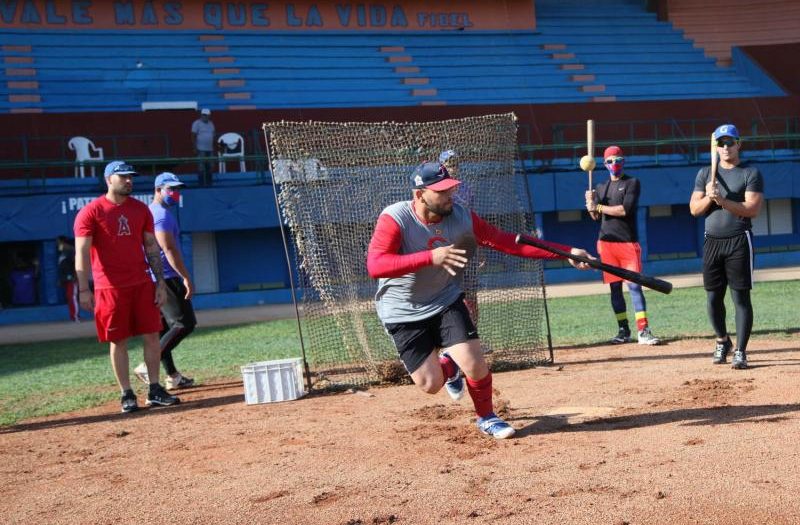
(409, 15)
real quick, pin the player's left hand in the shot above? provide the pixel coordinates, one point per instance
(187, 283)
(583, 253)
(712, 191)
(591, 200)
(161, 293)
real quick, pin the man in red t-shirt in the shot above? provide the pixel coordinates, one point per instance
(115, 232)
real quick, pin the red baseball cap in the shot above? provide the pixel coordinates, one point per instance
(612, 151)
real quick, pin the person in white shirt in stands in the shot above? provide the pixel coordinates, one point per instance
(203, 135)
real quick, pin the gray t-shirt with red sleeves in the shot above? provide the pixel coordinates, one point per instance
(733, 183)
(419, 295)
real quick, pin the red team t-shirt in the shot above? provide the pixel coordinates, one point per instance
(117, 232)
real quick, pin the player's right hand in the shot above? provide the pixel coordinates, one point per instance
(450, 258)
(583, 253)
(86, 300)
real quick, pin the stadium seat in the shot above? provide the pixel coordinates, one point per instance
(83, 149)
(231, 147)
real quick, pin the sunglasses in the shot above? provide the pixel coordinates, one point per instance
(726, 141)
(617, 160)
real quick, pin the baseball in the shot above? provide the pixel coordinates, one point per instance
(587, 163)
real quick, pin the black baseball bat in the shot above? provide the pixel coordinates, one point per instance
(653, 283)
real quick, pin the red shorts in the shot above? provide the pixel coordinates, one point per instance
(120, 313)
(627, 255)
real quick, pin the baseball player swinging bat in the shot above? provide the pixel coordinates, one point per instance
(653, 283)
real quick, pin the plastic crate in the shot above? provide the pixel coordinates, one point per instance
(270, 381)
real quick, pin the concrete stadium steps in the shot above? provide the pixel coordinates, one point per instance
(605, 53)
(232, 87)
(22, 85)
(745, 23)
(575, 56)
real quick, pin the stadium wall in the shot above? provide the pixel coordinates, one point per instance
(251, 268)
(538, 122)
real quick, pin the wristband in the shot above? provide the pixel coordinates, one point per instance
(600, 209)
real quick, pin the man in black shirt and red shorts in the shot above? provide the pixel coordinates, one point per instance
(614, 204)
(728, 205)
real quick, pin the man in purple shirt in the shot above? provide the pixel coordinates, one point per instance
(177, 314)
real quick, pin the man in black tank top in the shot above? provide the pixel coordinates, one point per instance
(728, 205)
(614, 204)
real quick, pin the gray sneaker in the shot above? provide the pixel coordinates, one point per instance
(159, 397)
(622, 337)
(646, 337)
(739, 361)
(129, 403)
(721, 352)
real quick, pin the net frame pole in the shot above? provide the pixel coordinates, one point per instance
(544, 286)
(306, 368)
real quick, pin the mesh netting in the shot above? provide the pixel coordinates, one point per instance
(333, 179)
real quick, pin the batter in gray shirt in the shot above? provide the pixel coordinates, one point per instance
(733, 183)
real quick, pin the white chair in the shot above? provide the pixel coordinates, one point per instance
(231, 147)
(83, 149)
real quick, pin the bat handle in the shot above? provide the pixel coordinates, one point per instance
(590, 180)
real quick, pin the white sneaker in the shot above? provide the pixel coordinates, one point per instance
(141, 373)
(492, 425)
(178, 382)
(646, 337)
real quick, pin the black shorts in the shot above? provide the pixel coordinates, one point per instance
(177, 310)
(728, 261)
(415, 341)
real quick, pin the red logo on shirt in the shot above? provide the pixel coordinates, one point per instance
(124, 228)
(437, 242)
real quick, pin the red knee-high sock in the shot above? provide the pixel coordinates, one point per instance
(449, 367)
(481, 393)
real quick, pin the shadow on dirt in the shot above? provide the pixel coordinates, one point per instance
(659, 354)
(722, 415)
(142, 412)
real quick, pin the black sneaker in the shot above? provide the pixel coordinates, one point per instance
(622, 337)
(129, 403)
(721, 352)
(739, 361)
(158, 396)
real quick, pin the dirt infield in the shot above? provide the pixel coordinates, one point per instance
(610, 435)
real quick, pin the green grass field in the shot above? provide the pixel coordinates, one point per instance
(42, 379)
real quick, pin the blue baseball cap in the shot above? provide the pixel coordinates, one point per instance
(726, 130)
(432, 176)
(168, 180)
(119, 167)
(447, 155)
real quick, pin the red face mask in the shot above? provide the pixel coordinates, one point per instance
(171, 196)
(616, 166)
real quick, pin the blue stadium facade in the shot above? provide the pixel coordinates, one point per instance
(71, 70)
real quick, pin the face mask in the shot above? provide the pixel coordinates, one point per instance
(171, 197)
(616, 168)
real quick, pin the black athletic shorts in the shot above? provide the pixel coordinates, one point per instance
(415, 341)
(177, 310)
(728, 261)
